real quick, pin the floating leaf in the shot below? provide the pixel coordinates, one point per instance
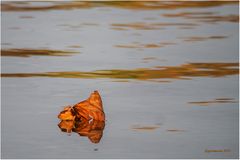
(67, 114)
(90, 108)
(86, 118)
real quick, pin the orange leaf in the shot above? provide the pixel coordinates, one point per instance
(90, 108)
(67, 114)
(86, 118)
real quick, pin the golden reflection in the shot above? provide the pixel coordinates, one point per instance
(185, 71)
(33, 6)
(202, 38)
(187, 14)
(215, 101)
(34, 52)
(153, 5)
(86, 118)
(142, 46)
(145, 128)
(149, 26)
(214, 19)
(149, 59)
(209, 17)
(75, 46)
(133, 5)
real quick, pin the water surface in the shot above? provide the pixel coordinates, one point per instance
(167, 73)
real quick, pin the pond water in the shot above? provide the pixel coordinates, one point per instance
(167, 73)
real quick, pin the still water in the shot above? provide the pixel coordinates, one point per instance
(167, 73)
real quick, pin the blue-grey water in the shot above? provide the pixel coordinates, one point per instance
(172, 114)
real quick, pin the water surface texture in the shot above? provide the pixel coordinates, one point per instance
(167, 73)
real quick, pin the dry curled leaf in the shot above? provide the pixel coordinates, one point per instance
(86, 118)
(90, 108)
(67, 114)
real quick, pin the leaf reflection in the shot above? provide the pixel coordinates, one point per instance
(91, 129)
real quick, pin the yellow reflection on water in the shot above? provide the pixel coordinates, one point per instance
(184, 71)
(142, 46)
(209, 17)
(145, 128)
(215, 101)
(202, 38)
(133, 5)
(149, 26)
(34, 52)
